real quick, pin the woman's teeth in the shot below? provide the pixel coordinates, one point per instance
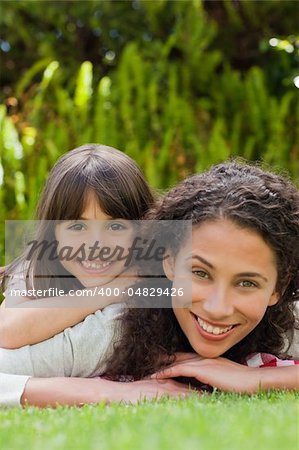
(94, 265)
(213, 330)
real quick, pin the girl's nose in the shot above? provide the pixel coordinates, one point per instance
(218, 303)
(94, 238)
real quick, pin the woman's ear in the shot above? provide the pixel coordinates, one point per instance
(274, 299)
(168, 266)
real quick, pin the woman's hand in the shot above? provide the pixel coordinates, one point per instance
(148, 389)
(44, 392)
(229, 376)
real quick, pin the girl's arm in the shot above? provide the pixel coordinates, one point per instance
(32, 321)
(233, 377)
(44, 392)
(28, 324)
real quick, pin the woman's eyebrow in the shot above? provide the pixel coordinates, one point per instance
(201, 259)
(252, 275)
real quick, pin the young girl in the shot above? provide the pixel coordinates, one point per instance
(244, 268)
(98, 184)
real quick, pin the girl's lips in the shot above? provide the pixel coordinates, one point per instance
(210, 336)
(95, 267)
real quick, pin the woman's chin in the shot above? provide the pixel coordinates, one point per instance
(209, 353)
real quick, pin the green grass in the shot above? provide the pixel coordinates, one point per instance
(218, 421)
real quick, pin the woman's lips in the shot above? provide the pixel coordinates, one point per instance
(211, 331)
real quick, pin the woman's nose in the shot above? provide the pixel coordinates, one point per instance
(218, 302)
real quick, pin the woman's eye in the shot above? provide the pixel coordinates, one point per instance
(116, 227)
(76, 227)
(200, 273)
(247, 284)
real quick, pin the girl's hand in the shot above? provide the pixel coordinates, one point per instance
(229, 376)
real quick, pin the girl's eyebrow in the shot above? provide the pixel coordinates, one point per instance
(243, 274)
(98, 220)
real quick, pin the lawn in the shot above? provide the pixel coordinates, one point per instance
(212, 422)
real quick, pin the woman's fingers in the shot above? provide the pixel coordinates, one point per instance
(205, 370)
(177, 370)
(190, 367)
(153, 389)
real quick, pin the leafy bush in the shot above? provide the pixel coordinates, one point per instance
(161, 80)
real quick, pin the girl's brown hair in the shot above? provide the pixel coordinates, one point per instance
(253, 199)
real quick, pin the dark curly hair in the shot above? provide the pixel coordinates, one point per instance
(253, 199)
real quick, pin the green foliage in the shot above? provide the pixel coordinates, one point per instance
(163, 81)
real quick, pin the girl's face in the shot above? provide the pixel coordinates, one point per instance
(233, 282)
(87, 237)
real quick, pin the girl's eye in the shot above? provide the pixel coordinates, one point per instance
(76, 227)
(116, 227)
(247, 284)
(200, 273)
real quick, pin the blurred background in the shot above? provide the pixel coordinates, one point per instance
(177, 85)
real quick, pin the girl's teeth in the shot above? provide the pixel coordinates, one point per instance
(213, 330)
(93, 265)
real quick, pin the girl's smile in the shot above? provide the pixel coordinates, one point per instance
(95, 266)
(234, 277)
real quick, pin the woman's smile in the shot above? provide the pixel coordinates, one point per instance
(212, 331)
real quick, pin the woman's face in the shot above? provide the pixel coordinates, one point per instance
(233, 282)
(87, 237)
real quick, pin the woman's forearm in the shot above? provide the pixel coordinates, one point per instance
(43, 392)
(279, 377)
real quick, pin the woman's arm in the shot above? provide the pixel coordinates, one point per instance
(44, 392)
(32, 321)
(233, 377)
(279, 377)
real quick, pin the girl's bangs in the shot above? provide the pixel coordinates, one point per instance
(71, 201)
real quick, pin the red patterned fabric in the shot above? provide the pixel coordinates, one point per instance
(268, 360)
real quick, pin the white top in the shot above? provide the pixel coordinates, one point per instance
(79, 351)
(11, 389)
